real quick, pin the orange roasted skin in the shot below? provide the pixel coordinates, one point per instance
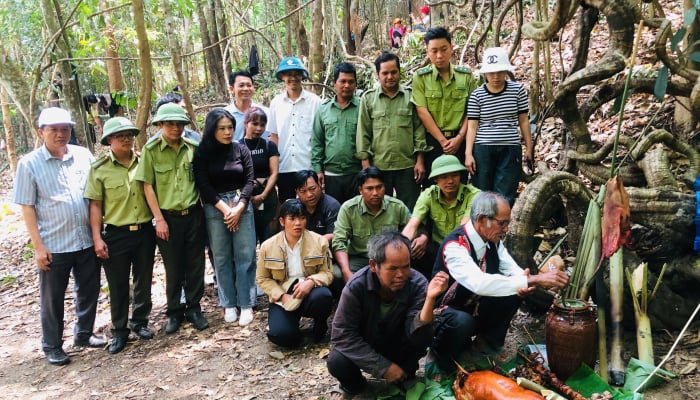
(616, 227)
(488, 385)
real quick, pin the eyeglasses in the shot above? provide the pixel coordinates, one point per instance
(501, 222)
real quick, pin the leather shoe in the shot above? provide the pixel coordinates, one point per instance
(118, 344)
(143, 332)
(57, 357)
(173, 325)
(198, 320)
(92, 341)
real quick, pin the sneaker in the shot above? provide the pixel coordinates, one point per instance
(230, 314)
(246, 316)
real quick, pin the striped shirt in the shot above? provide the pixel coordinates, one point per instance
(498, 113)
(55, 188)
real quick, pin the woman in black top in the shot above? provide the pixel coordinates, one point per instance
(266, 158)
(223, 172)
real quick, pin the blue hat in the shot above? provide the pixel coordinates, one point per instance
(291, 64)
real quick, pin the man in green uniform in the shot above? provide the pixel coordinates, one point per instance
(359, 218)
(390, 136)
(441, 208)
(333, 138)
(122, 231)
(166, 172)
(440, 93)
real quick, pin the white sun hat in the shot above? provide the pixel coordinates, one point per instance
(54, 116)
(495, 59)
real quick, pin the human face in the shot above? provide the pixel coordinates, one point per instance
(292, 79)
(121, 141)
(242, 88)
(254, 128)
(448, 184)
(172, 130)
(440, 53)
(224, 131)
(310, 193)
(395, 271)
(494, 229)
(389, 76)
(496, 78)
(55, 136)
(372, 192)
(345, 86)
(293, 225)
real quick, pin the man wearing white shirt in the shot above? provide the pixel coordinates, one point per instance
(486, 284)
(291, 124)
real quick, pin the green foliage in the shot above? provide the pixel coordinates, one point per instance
(123, 99)
(28, 252)
(661, 83)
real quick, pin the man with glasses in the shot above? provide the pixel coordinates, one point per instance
(122, 231)
(486, 285)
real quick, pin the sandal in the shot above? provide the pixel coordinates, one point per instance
(338, 393)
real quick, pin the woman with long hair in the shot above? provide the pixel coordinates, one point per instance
(223, 172)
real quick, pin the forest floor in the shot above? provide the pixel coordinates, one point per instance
(224, 361)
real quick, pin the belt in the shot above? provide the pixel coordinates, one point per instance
(131, 228)
(180, 213)
(450, 134)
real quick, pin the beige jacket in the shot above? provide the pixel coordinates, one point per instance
(272, 274)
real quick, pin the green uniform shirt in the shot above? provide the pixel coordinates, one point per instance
(333, 139)
(123, 201)
(445, 218)
(169, 173)
(389, 130)
(446, 101)
(355, 225)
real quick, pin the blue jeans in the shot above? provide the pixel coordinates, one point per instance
(234, 255)
(498, 169)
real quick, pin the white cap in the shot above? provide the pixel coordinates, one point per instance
(495, 59)
(54, 116)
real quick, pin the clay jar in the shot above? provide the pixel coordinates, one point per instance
(571, 336)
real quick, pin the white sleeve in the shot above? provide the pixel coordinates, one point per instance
(464, 270)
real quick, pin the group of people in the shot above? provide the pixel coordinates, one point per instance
(360, 223)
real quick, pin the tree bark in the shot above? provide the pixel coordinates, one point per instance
(145, 71)
(114, 69)
(9, 132)
(14, 81)
(215, 55)
(298, 29)
(69, 79)
(223, 30)
(684, 120)
(212, 54)
(316, 56)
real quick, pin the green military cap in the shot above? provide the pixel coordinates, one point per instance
(446, 164)
(117, 124)
(170, 112)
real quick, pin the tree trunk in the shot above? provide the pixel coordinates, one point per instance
(220, 86)
(114, 69)
(176, 53)
(317, 53)
(212, 54)
(143, 109)
(9, 132)
(298, 29)
(69, 78)
(14, 81)
(222, 26)
(356, 26)
(684, 121)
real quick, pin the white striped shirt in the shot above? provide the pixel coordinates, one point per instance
(498, 113)
(55, 188)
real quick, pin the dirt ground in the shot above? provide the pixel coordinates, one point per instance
(222, 362)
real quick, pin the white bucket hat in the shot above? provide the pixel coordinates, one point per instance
(495, 59)
(54, 116)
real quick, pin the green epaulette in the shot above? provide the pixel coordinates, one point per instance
(153, 144)
(462, 69)
(326, 101)
(190, 141)
(100, 162)
(425, 70)
(367, 91)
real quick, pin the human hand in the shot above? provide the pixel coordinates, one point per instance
(322, 180)
(452, 145)
(257, 200)
(419, 172)
(437, 285)
(418, 246)
(302, 289)
(470, 163)
(162, 231)
(101, 249)
(43, 258)
(553, 278)
(347, 274)
(394, 374)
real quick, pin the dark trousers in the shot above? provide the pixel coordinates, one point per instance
(264, 217)
(403, 183)
(285, 186)
(52, 290)
(130, 252)
(183, 256)
(437, 152)
(284, 325)
(455, 328)
(498, 169)
(403, 351)
(341, 187)
(425, 264)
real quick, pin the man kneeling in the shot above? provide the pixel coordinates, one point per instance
(294, 270)
(383, 323)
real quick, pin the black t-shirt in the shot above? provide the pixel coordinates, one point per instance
(261, 150)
